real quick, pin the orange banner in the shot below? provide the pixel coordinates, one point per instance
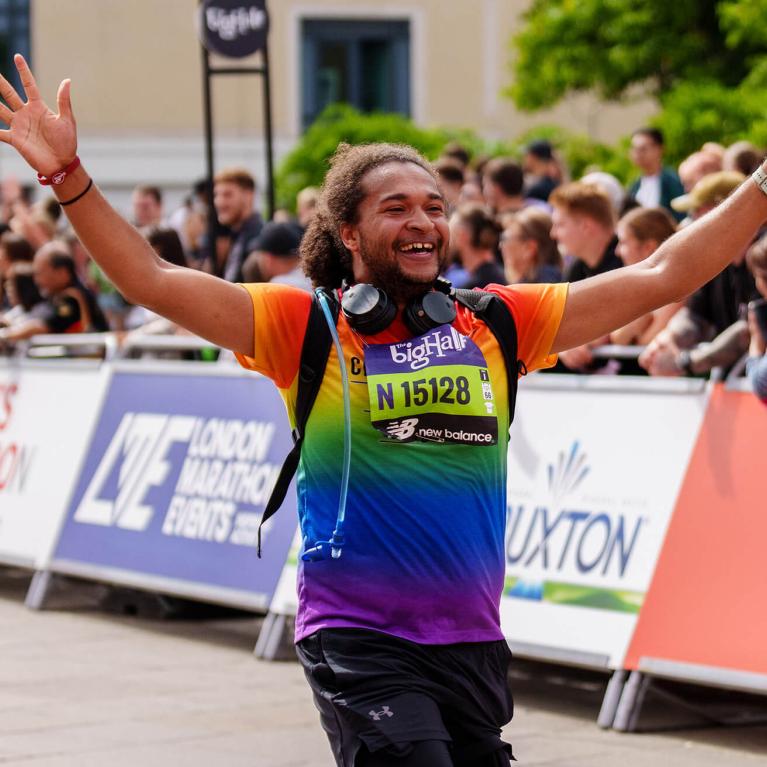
(706, 603)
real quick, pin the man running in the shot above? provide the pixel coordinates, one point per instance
(399, 637)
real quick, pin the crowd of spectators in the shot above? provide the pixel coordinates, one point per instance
(511, 221)
(552, 228)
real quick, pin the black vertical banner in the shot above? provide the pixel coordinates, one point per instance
(234, 29)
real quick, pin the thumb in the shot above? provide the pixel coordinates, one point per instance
(64, 101)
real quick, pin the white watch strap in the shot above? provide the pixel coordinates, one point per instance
(760, 178)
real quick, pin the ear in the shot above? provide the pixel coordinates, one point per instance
(350, 238)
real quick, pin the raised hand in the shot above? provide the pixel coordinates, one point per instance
(46, 140)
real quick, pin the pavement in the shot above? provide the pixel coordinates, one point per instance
(86, 687)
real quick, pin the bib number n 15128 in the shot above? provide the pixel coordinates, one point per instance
(432, 388)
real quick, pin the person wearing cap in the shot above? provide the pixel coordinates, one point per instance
(657, 185)
(707, 193)
(541, 173)
(275, 256)
(710, 330)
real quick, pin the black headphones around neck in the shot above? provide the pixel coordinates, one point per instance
(369, 310)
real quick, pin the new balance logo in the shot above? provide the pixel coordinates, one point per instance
(403, 429)
(376, 715)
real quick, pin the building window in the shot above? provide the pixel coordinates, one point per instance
(362, 63)
(14, 36)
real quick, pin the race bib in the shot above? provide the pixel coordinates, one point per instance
(432, 388)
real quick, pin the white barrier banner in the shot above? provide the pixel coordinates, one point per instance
(594, 474)
(46, 419)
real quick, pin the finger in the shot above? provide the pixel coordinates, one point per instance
(27, 78)
(5, 136)
(8, 92)
(64, 101)
(5, 114)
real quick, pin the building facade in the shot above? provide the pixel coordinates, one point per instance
(136, 77)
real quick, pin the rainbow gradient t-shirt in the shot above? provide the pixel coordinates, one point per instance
(424, 553)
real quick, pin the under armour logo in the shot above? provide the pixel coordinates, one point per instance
(376, 715)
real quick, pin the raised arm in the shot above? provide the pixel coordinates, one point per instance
(682, 264)
(212, 308)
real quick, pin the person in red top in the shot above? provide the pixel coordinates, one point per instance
(390, 231)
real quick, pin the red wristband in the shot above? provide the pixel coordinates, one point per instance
(59, 176)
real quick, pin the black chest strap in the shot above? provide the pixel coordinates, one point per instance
(497, 316)
(314, 358)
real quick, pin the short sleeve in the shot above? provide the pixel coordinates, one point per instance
(537, 311)
(280, 314)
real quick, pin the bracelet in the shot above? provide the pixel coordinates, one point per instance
(59, 176)
(760, 179)
(82, 194)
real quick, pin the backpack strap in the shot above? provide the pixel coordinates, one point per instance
(314, 358)
(498, 317)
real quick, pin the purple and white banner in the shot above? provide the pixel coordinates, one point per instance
(174, 485)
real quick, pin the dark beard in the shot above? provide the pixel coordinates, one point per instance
(388, 275)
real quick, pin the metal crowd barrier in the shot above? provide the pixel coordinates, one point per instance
(622, 487)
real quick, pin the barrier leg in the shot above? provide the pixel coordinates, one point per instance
(270, 637)
(630, 702)
(612, 698)
(38, 589)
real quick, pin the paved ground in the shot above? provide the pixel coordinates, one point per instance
(80, 686)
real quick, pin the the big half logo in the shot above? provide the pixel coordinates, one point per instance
(567, 545)
(177, 477)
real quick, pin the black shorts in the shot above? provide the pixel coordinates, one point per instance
(385, 692)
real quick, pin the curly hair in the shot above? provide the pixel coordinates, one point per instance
(324, 258)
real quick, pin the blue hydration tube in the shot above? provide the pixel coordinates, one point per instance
(335, 545)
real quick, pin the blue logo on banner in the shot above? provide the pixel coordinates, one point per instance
(176, 480)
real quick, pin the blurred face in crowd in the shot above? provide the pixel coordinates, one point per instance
(696, 166)
(471, 191)
(49, 279)
(233, 203)
(518, 251)
(646, 154)
(459, 237)
(401, 235)
(492, 193)
(573, 232)
(452, 191)
(146, 210)
(630, 249)
(533, 165)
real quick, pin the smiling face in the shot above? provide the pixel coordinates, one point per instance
(399, 242)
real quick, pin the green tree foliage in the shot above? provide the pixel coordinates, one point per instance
(704, 60)
(307, 163)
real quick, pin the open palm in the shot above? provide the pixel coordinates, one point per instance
(46, 140)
